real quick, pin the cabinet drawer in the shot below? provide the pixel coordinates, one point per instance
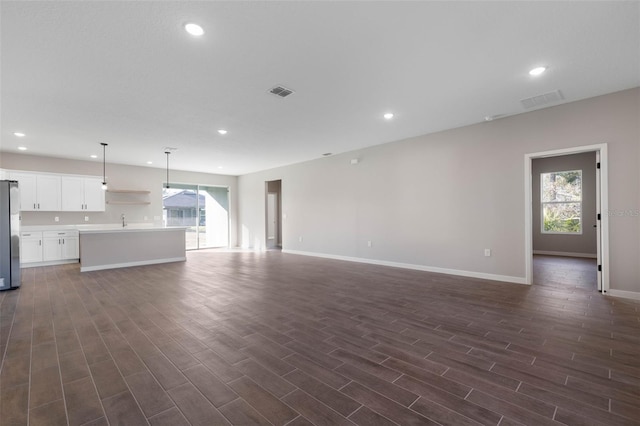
(60, 234)
(31, 235)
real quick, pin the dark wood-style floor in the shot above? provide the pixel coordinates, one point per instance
(272, 338)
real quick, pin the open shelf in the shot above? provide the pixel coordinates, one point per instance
(128, 197)
(128, 191)
(128, 202)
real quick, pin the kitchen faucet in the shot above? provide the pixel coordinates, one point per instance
(123, 223)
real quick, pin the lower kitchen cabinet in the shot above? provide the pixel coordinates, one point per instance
(30, 247)
(48, 247)
(60, 245)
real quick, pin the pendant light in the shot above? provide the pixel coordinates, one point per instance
(104, 164)
(167, 152)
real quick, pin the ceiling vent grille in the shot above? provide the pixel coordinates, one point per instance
(281, 91)
(544, 99)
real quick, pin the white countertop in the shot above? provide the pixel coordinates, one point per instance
(103, 228)
(35, 228)
(110, 229)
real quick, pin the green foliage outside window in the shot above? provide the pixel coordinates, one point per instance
(561, 195)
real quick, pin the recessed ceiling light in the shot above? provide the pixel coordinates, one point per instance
(537, 71)
(388, 116)
(22, 148)
(220, 167)
(19, 134)
(222, 131)
(194, 29)
(93, 156)
(149, 162)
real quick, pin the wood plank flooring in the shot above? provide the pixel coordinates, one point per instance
(278, 339)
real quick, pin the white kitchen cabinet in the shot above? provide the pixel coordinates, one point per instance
(71, 248)
(60, 245)
(27, 184)
(82, 194)
(38, 192)
(94, 195)
(30, 247)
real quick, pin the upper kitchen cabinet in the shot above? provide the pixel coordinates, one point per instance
(82, 194)
(38, 192)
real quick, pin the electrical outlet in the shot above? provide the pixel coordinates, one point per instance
(487, 252)
(145, 218)
(56, 219)
(369, 244)
(300, 239)
(86, 218)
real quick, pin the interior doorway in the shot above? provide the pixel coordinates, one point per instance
(273, 216)
(564, 225)
(590, 222)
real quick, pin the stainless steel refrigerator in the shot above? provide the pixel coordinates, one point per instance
(9, 235)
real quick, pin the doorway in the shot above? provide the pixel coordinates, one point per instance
(273, 216)
(203, 209)
(599, 223)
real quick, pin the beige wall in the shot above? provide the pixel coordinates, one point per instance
(586, 242)
(439, 200)
(119, 177)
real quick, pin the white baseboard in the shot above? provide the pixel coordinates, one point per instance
(458, 272)
(566, 254)
(625, 294)
(48, 263)
(129, 264)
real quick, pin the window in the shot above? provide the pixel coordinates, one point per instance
(561, 202)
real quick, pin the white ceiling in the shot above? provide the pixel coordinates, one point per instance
(75, 74)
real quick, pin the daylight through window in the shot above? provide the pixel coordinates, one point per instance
(561, 200)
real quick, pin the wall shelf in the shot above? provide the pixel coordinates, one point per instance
(128, 191)
(128, 197)
(128, 202)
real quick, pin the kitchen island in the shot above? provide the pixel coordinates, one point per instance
(109, 246)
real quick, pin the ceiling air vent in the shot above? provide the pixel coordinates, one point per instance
(281, 91)
(544, 99)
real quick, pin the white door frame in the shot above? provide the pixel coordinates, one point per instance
(603, 209)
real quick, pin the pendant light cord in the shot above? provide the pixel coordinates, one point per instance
(167, 152)
(104, 164)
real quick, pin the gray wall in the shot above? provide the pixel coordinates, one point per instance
(119, 177)
(439, 200)
(586, 242)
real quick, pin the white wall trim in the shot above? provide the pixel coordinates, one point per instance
(566, 254)
(625, 294)
(48, 263)
(458, 272)
(128, 264)
(603, 207)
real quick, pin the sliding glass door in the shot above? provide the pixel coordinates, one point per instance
(203, 209)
